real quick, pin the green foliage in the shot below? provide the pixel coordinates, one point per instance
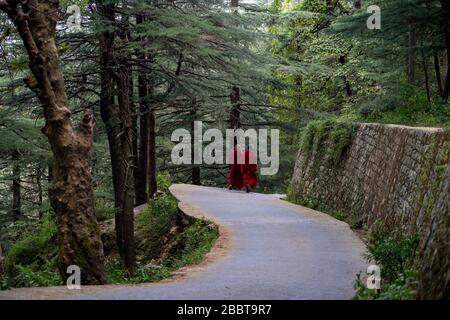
(328, 138)
(117, 273)
(163, 181)
(188, 246)
(154, 221)
(32, 261)
(197, 239)
(310, 201)
(395, 256)
(409, 107)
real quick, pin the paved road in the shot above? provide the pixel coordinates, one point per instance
(273, 251)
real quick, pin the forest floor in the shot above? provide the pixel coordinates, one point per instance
(267, 249)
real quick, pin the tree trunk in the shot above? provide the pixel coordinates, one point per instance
(17, 200)
(195, 168)
(235, 113)
(134, 127)
(330, 7)
(437, 70)
(411, 61)
(118, 124)
(152, 185)
(425, 72)
(144, 136)
(39, 173)
(127, 195)
(446, 26)
(72, 193)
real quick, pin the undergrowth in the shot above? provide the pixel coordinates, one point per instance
(32, 260)
(166, 240)
(164, 250)
(395, 255)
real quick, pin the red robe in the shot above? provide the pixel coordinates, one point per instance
(249, 171)
(235, 178)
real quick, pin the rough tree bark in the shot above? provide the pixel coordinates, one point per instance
(118, 124)
(72, 195)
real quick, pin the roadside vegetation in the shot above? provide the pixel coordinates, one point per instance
(395, 256)
(167, 240)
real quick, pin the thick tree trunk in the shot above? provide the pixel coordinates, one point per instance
(146, 177)
(72, 193)
(118, 122)
(17, 199)
(144, 134)
(127, 170)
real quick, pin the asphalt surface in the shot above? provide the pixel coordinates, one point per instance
(276, 251)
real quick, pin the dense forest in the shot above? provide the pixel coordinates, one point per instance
(88, 103)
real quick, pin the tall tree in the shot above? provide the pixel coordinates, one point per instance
(118, 123)
(72, 193)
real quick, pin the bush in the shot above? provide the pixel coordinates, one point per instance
(154, 223)
(197, 241)
(164, 242)
(395, 256)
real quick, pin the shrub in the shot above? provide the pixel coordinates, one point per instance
(395, 256)
(165, 243)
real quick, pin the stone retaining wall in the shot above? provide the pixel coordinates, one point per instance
(395, 174)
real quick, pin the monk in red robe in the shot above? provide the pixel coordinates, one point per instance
(249, 171)
(235, 178)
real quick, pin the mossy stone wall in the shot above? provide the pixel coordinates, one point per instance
(394, 174)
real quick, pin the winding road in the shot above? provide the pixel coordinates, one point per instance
(268, 249)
